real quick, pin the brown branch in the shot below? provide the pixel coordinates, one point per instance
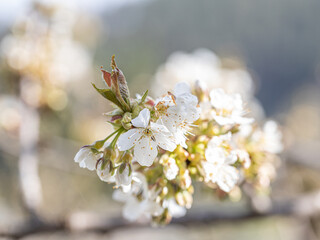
(307, 205)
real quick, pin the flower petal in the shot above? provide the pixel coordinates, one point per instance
(181, 88)
(86, 158)
(228, 177)
(165, 142)
(145, 151)
(143, 119)
(133, 209)
(128, 139)
(215, 155)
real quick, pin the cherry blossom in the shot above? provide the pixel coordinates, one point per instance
(146, 137)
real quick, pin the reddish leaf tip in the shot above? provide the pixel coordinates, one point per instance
(107, 77)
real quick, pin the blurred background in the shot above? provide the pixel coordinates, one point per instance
(51, 51)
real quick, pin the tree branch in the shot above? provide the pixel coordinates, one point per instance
(307, 205)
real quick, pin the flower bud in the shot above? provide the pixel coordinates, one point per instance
(126, 120)
(124, 174)
(105, 171)
(127, 157)
(110, 154)
(136, 110)
(200, 90)
(184, 199)
(185, 179)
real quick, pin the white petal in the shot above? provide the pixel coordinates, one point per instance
(133, 209)
(180, 138)
(159, 128)
(210, 170)
(187, 99)
(81, 154)
(242, 120)
(143, 119)
(86, 158)
(175, 210)
(228, 177)
(165, 142)
(153, 208)
(215, 155)
(193, 114)
(231, 158)
(128, 139)
(162, 136)
(223, 120)
(145, 151)
(181, 88)
(171, 169)
(217, 97)
(120, 196)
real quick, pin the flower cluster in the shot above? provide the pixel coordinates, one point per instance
(161, 146)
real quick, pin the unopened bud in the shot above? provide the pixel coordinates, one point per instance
(184, 199)
(110, 154)
(126, 120)
(200, 90)
(105, 171)
(127, 157)
(185, 179)
(124, 174)
(136, 110)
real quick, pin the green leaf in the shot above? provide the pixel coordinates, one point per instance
(144, 97)
(108, 94)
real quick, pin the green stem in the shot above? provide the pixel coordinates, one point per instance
(114, 141)
(99, 144)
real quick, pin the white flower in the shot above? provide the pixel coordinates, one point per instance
(272, 137)
(228, 109)
(86, 158)
(179, 112)
(204, 65)
(269, 138)
(138, 200)
(170, 168)
(175, 210)
(243, 156)
(218, 165)
(145, 138)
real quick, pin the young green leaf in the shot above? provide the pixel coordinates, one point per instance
(144, 97)
(108, 94)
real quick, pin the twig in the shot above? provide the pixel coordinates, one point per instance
(307, 205)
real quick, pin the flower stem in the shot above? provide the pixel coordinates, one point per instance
(114, 141)
(99, 144)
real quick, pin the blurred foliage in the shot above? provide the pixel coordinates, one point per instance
(279, 40)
